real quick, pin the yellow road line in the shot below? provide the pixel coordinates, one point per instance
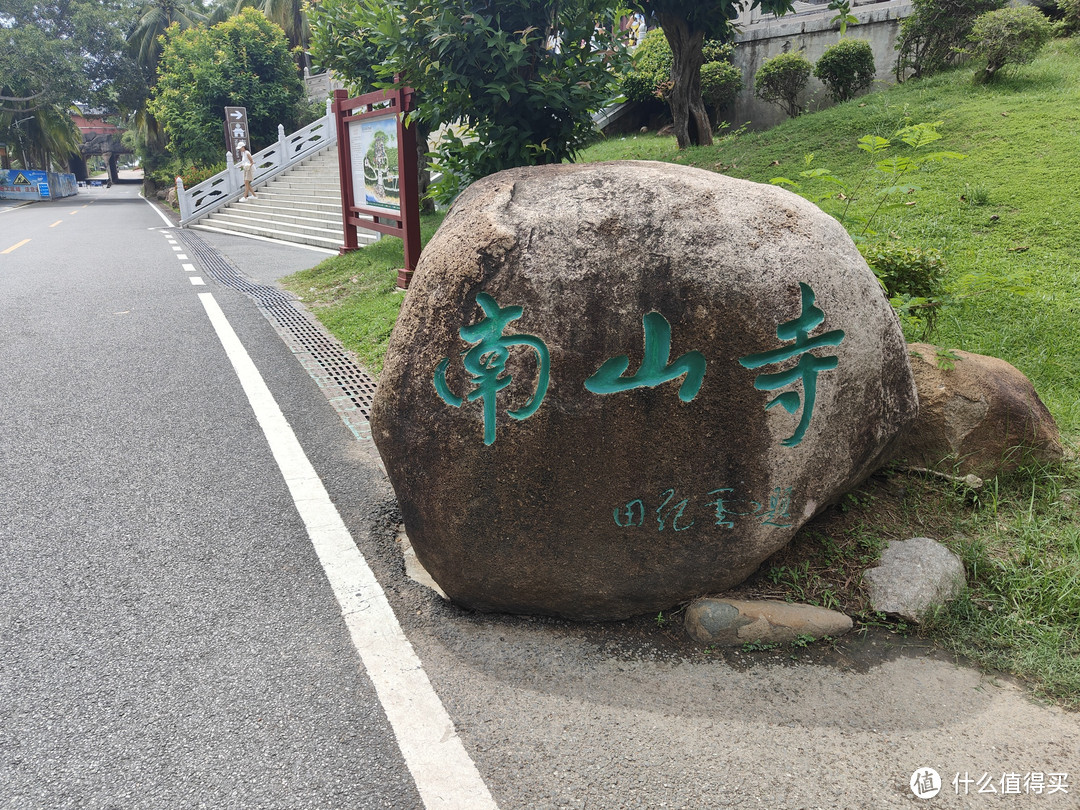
(56, 223)
(16, 245)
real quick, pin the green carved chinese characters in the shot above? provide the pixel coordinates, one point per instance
(808, 368)
(655, 366)
(486, 363)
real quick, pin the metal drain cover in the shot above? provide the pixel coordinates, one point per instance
(344, 383)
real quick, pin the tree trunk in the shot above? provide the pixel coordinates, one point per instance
(692, 127)
(423, 165)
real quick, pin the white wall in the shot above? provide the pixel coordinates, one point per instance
(809, 30)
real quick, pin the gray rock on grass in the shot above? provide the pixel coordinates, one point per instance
(914, 576)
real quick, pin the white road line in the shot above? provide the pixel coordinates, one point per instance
(445, 776)
(189, 267)
(197, 281)
(182, 257)
(168, 222)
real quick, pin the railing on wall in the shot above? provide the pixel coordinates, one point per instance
(226, 186)
(804, 8)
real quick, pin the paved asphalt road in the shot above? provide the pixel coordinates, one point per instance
(170, 639)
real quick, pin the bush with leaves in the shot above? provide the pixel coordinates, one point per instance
(244, 61)
(720, 84)
(846, 68)
(650, 68)
(782, 79)
(1008, 36)
(913, 279)
(934, 36)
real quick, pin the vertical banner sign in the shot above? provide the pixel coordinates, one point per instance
(377, 164)
(236, 130)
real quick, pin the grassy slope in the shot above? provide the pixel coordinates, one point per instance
(1018, 276)
(1022, 140)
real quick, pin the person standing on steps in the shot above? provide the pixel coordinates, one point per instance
(247, 165)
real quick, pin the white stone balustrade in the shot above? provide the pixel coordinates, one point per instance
(226, 186)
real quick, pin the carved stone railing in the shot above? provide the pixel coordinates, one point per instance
(226, 186)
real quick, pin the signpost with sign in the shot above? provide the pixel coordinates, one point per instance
(236, 130)
(377, 163)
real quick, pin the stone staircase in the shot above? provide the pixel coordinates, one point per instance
(301, 205)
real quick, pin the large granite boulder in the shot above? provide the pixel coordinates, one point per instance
(616, 387)
(978, 415)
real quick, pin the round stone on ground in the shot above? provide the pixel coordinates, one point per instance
(913, 577)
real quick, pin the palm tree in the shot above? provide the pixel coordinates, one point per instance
(43, 136)
(154, 17)
(142, 41)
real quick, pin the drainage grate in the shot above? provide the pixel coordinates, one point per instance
(345, 384)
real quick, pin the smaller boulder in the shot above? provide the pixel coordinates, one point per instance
(736, 621)
(914, 576)
(978, 415)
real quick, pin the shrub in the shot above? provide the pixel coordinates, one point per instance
(1009, 36)
(782, 79)
(720, 83)
(913, 279)
(846, 68)
(194, 175)
(932, 38)
(650, 77)
(651, 67)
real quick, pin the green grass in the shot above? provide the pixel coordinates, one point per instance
(355, 295)
(1006, 219)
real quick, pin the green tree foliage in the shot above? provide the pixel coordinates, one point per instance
(782, 79)
(244, 62)
(53, 55)
(341, 41)
(144, 41)
(153, 18)
(1008, 36)
(846, 68)
(291, 15)
(934, 36)
(687, 24)
(650, 75)
(1070, 16)
(485, 65)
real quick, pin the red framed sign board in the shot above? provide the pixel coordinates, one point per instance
(377, 164)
